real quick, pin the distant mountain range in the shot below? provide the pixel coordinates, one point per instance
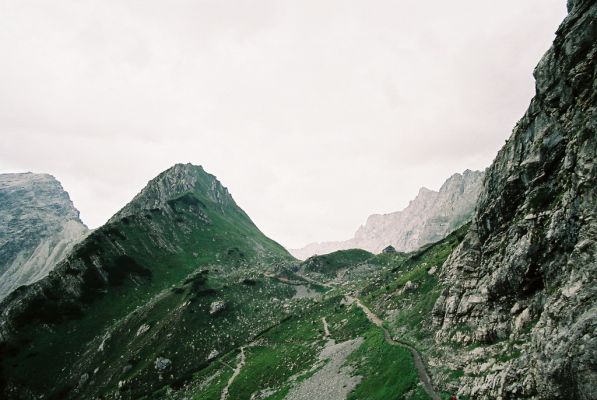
(430, 217)
(38, 226)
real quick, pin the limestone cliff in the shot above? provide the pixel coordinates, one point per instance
(431, 216)
(38, 226)
(521, 287)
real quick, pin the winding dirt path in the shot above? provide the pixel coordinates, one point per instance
(419, 365)
(374, 319)
(239, 366)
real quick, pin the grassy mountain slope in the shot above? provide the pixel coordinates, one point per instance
(406, 294)
(124, 270)
(287, 358)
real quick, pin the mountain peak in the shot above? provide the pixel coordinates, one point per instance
(41, 189)
(27, 179)
(176, 181)
(424, 190)
(38, 225)
(429, 217)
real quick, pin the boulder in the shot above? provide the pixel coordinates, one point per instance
(162, 363)
(217, 306)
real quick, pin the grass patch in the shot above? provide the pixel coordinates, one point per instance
(388, 371)
(330, 264)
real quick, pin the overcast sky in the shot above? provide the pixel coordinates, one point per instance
(314, 114)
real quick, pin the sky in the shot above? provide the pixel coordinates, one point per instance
(315, 114)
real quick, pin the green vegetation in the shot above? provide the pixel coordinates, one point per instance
(207, 384)
(291, 348)
(397, 376)
(286, 354)
(387, 259)
(329, 264)
(135, 266)
(144, 287)
(413, 290)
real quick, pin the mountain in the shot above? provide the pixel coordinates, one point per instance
(506, 306)
(522, 283)
(428, 218)
(137, 289)
(38, 226)
(180, 296)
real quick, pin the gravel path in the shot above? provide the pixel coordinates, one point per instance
(311, 280)
(239, 366)
(333, 381)
(304, 292)
(419, 365)
(313, 384)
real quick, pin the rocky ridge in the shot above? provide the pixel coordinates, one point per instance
(431, 216)
(38, 226)
(521, 287)
(176, 181)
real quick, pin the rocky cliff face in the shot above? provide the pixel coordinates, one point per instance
(38, 226)
(428, 218)
(521, 287)
(176, 181)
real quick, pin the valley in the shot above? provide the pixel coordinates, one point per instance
(142, 314)
(307, 354)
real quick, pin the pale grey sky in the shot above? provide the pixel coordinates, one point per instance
(314, 114)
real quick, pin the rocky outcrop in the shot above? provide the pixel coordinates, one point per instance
(431, 216)
(522, 283)
(162, 363)
(217, 307)
(38, 226)
(176, 181)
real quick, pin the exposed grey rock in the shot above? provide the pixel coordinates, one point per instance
(38, 227)
(162, 363)
(334, 380)
(177, 180)
(409, 286)
(523, 279)
(83, 379)
(217, 306)
(142, 329)
(431, 216)
(213, 354)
